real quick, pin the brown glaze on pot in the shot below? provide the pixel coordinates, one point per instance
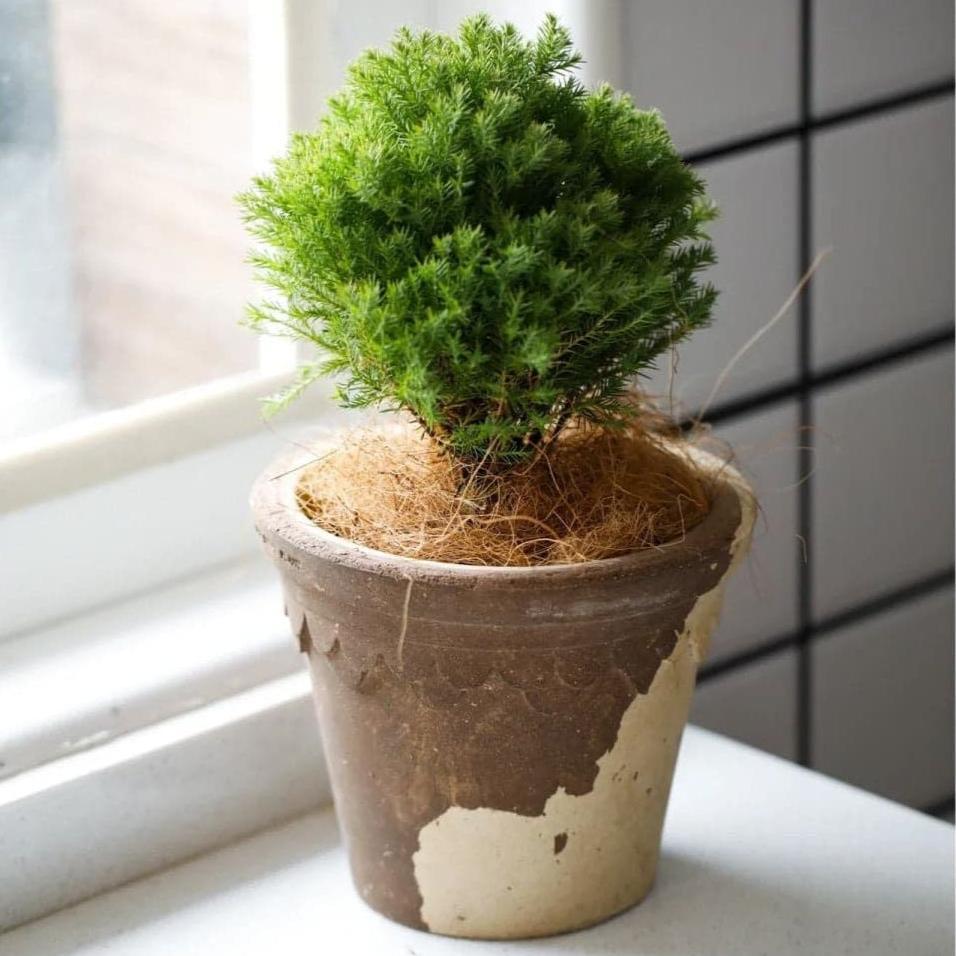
(445, 686)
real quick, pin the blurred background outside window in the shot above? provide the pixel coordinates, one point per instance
(125, 130)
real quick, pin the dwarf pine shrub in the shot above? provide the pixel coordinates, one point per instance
(472, 236)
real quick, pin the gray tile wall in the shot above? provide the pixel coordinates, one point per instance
(883, 201)
(883, 494)
(882, 712)
(715, 70)
(826, 123)
(758, 194)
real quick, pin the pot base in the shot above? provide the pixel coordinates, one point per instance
(545, 934)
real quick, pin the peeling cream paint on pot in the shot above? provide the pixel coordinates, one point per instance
(495, 874)
(501, 741)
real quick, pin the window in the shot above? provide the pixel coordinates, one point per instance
(130, 130)
(138, 629)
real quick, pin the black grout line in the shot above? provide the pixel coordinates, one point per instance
(776, 134)
(878, 358)
(885, 602)
(870, 361)
(804, 351)
(898, 101)
(942, 808)
(743, 144)
(746, 404)
(750, 656)
(872, 608)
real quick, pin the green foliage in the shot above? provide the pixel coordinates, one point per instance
(472, 236)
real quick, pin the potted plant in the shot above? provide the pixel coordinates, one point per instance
(504, 599)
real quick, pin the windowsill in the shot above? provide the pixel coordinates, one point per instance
(95, 677)
(759, 856)
(148, 732)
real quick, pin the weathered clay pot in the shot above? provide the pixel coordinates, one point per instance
(501, 741)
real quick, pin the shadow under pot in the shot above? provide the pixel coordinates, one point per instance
(501, 741)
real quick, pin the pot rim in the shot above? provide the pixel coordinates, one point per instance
(277, 513)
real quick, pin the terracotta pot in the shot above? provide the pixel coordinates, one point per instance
(501, 741)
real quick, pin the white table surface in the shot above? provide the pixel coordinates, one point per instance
(760, 857)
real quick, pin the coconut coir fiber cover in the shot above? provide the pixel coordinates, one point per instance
(593, 494)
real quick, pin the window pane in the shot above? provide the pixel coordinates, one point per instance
(125, 131)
